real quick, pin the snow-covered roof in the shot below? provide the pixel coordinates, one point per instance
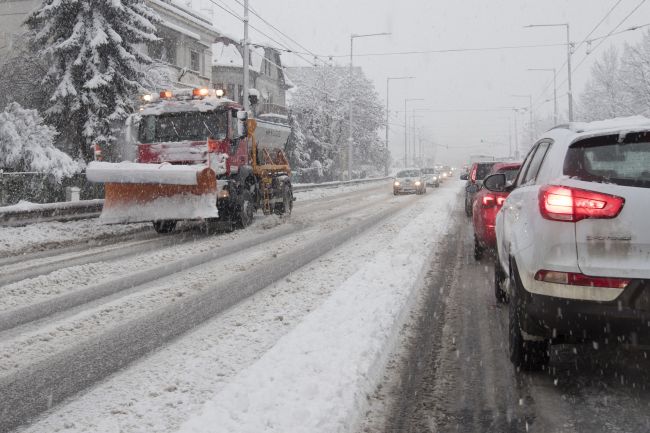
(186, 13)
(257, 56)
(226, 55)
(182, 30)
(618, 123)
(177, 106)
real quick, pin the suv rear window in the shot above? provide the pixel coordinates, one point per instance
(604, 159)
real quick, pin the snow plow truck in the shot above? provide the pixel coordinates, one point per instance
(199, 157)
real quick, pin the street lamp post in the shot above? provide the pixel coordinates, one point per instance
(554, 71)
(530, 112)
(406, 150)
(568, 60)
(350, 140)
(388, 80)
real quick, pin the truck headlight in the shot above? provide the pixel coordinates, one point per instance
(417, 183)
(396, 183)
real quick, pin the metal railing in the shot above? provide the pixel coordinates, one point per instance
(25, 214)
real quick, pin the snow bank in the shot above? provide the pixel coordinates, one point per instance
(133, 172)
(316, 378)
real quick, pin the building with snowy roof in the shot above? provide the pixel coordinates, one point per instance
(266, 74)
(184, 51)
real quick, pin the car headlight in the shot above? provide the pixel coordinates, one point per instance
(435, 178)
(396, 183)
(417, 183)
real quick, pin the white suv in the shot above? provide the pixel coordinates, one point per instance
(573, 239)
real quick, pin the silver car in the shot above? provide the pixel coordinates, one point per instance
(409, 180)
(431, 176)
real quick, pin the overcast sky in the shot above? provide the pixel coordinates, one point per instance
(447, 81)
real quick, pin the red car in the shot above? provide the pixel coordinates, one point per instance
(485, 207)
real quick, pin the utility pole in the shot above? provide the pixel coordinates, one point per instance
(246, 57)
(568, 60)
(388, 80)
(530, 112)
(406, 128)
(554, 71)
(568, 66)
(350, 139)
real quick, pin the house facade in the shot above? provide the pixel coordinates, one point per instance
(266, 74)
(183, 54)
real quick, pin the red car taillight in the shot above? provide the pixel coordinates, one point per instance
(562, 203)
(491, 200)
(576, 279)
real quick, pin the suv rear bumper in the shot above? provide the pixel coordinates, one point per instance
(626, 318)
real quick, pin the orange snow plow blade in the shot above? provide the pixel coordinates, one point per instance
(152, 192)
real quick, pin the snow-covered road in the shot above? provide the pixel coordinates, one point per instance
(319, 299)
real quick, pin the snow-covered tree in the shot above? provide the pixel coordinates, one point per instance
(635, 76)
(604, 96)
(321, 105)
(95, 68)
(26, 144)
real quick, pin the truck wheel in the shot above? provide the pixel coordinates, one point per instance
(164, 226)
(286, 206)
(528, 355)
(245, 211)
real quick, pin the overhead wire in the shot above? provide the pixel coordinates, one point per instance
(240, 18)
(265, 21)
(611, 33)
(564, 64)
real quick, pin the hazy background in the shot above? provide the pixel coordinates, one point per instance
(447, 81)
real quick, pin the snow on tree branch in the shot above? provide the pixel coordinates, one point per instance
(26, 144)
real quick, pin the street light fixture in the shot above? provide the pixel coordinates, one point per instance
(406, 101)
(388, 80)
(568, 60)
(554, 89)
(350, 140)
(530, 112)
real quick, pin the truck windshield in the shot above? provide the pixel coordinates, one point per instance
(183, 127)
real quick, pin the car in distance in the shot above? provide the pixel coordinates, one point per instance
(431, 176)
(477, 173)
(485, 208)
(409, 180)
(573, 239)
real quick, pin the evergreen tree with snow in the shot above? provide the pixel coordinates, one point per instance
(95, 71)
(26, 144)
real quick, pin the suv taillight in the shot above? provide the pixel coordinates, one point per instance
(576, 279)
(562, 203)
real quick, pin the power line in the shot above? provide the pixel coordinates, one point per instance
(599, 23)
(450, 50)
(550, 82)
(611, 33)
(254, 12)
(235, 15)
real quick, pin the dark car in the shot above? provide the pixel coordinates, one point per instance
(478, 172)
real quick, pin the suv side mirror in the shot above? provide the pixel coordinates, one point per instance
(495, 182)
(242, 124)
(464, 176)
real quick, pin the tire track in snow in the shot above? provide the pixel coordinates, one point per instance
(37, 387)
